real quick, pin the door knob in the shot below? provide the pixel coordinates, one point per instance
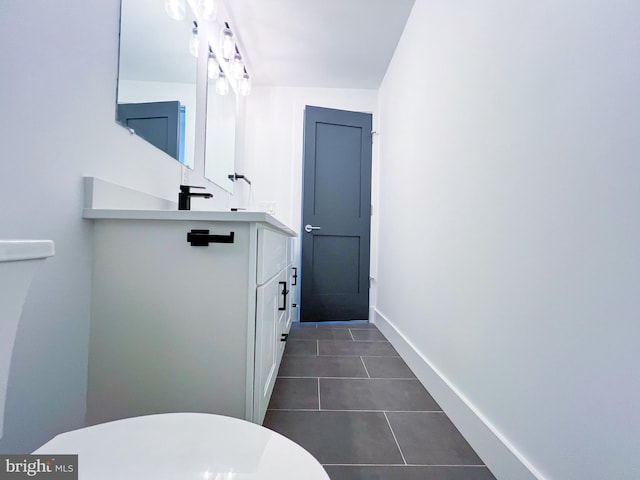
(310, 228)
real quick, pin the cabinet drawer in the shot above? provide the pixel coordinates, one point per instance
(273, 254)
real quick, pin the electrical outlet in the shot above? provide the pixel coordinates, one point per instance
(269, 207)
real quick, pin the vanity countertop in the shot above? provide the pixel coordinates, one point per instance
(187, 215)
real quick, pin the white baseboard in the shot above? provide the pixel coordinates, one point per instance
(502, 458)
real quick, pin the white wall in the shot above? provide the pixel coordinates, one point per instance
(57, 92)
(509, 139)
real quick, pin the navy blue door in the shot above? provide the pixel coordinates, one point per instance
(336, 215)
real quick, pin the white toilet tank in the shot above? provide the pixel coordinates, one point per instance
(19, 260)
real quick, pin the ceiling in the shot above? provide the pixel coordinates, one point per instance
(318, 43)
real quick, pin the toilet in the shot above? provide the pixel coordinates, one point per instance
(19, 260)
(169, 446)
(163, 446)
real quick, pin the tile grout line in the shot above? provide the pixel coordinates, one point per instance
(370, 341)
(365, 367)
(394, 437)
(351, 378)
(339, 355)
(398, 465)
(366, 355)
(332, 378)
(352, 410)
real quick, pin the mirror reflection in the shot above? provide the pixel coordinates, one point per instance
(221, 127)
(156, 97)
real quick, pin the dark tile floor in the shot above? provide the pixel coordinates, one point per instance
(345, 395)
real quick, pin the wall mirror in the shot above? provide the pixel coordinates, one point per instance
(221, 130)
(156, 96)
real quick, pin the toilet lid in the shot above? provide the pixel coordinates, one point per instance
(184, 446)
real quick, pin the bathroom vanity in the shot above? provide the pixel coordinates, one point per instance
(189, 313)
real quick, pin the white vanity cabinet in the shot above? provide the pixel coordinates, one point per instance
(268, 339)
(176, 327)
(273, 306)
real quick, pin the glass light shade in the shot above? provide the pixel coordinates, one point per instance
(222, 85)
(228, 47)
(237, 67)
(194, 43)
(175, 9)
(212, 66)
(207, 9)
(244, 86)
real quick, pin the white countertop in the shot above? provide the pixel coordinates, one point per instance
(184, 446)
(187, 215)
(14, 250)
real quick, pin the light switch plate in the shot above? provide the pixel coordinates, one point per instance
(269, 207)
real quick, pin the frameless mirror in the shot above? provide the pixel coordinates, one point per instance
(156, 97)
(221, 134)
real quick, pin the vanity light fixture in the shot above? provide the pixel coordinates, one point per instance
(207, 9)
(212, 65)
(244, 85)
(175, 9)
(194, 42)
(226, 42)
(203, 9)
(222, 84)
(237, 67)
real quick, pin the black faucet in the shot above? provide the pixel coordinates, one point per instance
(184, 197)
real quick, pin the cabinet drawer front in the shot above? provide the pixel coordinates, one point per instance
(273, 254)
